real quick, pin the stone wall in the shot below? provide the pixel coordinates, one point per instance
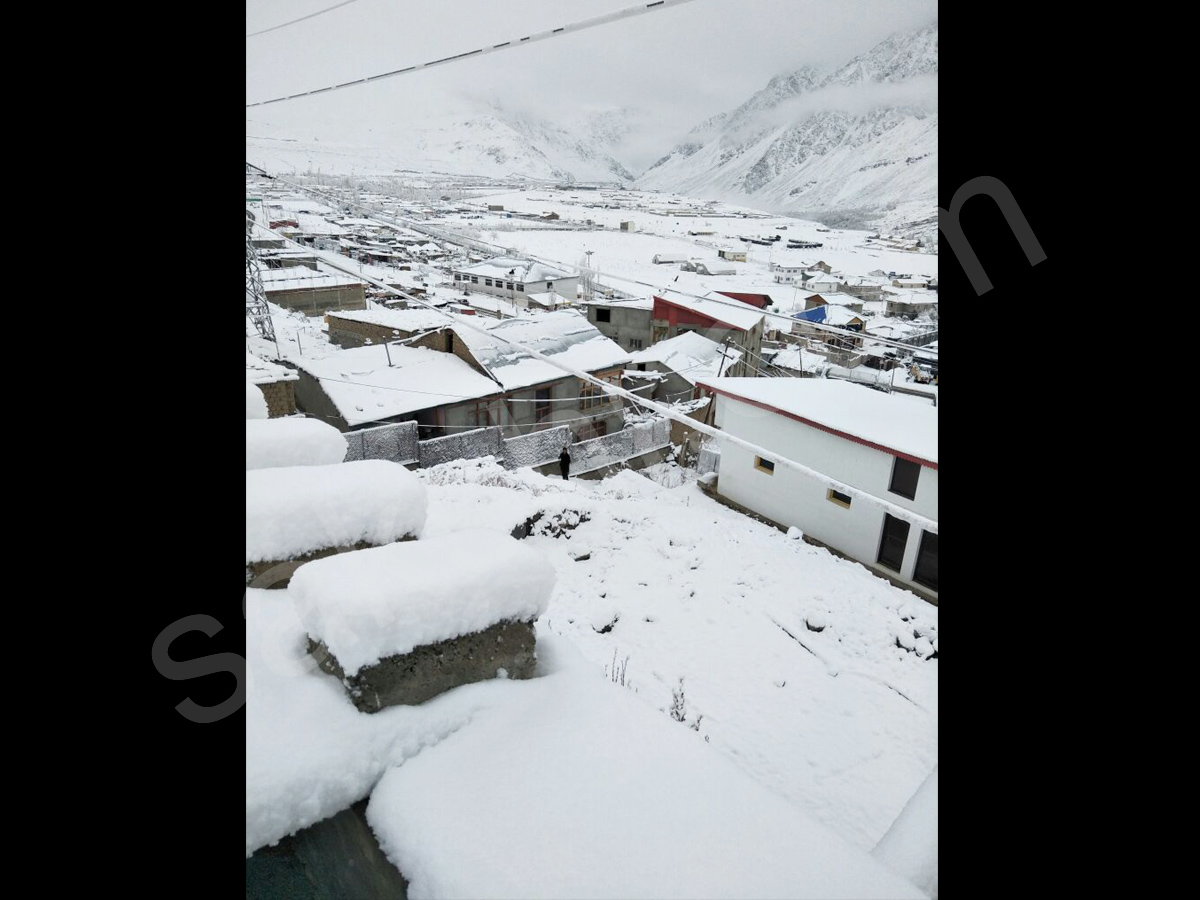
(411, 678)
(281, 398)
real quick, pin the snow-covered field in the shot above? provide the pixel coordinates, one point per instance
(690, 657)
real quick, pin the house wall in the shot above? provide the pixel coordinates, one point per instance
(312, 400)
(280, 397)
(317, 302)
(625, 325)
(567, 287)
(759, 300)
(347, 333)
(792, 498)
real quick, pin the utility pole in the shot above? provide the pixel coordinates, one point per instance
(257, 310)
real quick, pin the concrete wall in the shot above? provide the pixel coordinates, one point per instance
(348, 333)
(624, 326)
(318, 302)
(312, 400)
(791, 498)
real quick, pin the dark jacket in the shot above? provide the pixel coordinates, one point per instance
(564, 460)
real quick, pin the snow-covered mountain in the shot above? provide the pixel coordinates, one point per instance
(856, 146)
(494, 143)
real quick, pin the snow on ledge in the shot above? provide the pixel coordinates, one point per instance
(298, 510)
(385, 601)
(278, 443)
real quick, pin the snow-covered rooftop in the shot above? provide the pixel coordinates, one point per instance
(564, 335)
(365, 388)
(399, 319)
(301, 509)
(297, 278)
(690, 355)
(389, 600)
(523, 271)
(733, 313)
(849, 409)
(829, 314)
(261, 371)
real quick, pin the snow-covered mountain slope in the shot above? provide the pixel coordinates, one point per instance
(495, 143)
(857, 146)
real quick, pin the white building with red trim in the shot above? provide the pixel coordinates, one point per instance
(885, 446)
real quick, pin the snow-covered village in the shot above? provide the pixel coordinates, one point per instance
(591, 482)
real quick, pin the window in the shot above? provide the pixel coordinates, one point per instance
(604, 315)
(487, 282)
(510, 285)
(521, 288)
(542, 407)
(926, 570)
(480, 413)
(891, 545)
(549, 285)
(636, 344)
(904, 478)
(590, 395)
(474, 279)
(839, 498)
(764, 465)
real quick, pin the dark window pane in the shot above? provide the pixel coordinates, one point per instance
(603, 315)
(904, 478)
(839, 497)
(891, 547)
(926, 571)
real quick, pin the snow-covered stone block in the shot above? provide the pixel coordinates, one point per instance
(279, 443)
(403, 623)
(301, 513)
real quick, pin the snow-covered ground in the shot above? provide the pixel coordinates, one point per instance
(791, 679)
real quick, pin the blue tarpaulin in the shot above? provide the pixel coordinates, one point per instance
(817, 314)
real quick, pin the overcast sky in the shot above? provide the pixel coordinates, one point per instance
(680, 64)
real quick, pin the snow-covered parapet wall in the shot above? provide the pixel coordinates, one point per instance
(536, 448)
(465, 445)
(397, 443)
(256, 403)
(279, 443)
(587, 456)
(296, 512)
(390, 600)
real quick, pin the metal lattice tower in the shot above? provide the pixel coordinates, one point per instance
(257, 310)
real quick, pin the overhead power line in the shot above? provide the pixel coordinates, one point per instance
(302, 18)
(887, 506)
(572, 28)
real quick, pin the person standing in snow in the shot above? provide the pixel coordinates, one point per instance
(564, 463)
